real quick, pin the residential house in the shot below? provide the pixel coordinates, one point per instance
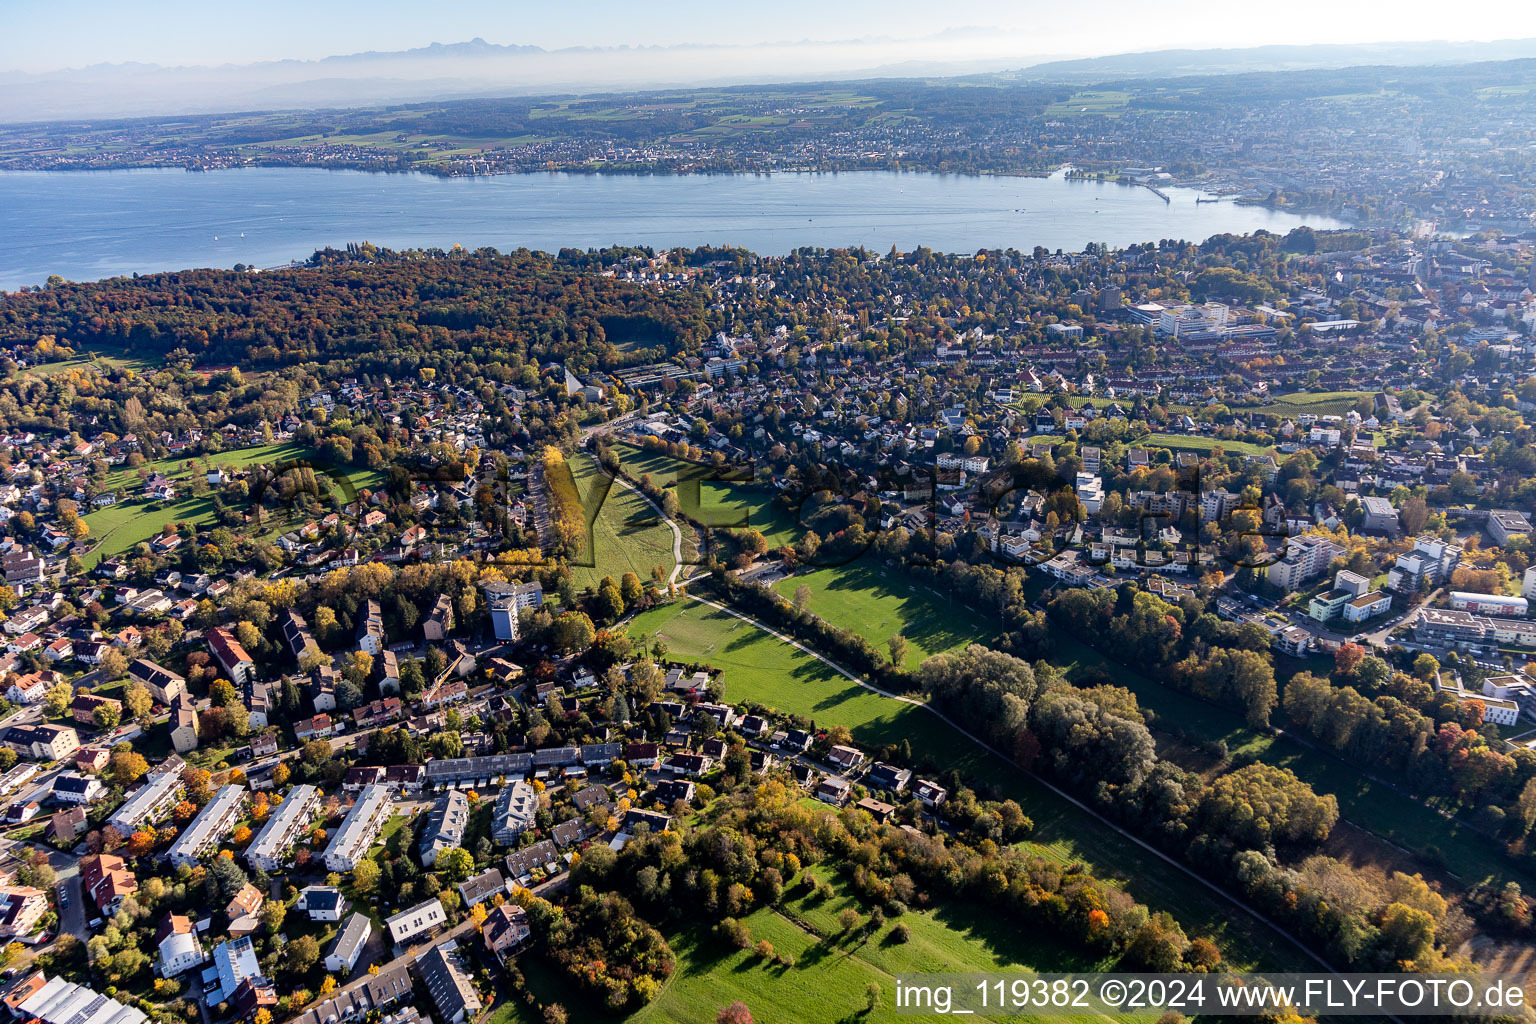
(183, 724)
(505, 931)
(423, 919)
(348, 945)
(107, 881)
(178, 946)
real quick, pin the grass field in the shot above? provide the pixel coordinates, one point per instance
(719, 504)
(1201, 445)
(1090, 102)
(865, 599)
(757, 667)
(628, 535)
(827, 983)
(1318, 403)
(101, 359)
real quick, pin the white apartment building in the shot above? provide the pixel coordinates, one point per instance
(359, 828)
(1305, 557)
(282, 828)
(150, 801)
(1429, 564)
(416, 921)
(1489, 604)
(507, 600)
(215, 821)
(1181, 320)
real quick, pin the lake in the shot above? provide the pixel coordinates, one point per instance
(86, 225)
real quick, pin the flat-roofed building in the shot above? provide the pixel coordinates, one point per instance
(147, 803)
(1489, 604)
(291, 818)
(358, 829)
(214, 822)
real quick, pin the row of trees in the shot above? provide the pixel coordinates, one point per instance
(1238, 827)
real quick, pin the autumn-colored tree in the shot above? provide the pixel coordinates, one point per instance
(107, 716)
(138, 701)
(127, 767)
(141, 842)
(111, 839)
(365, 876)
(272, 914)
(1346, 658)
(242, 835)
(57, 699)
(736, 1013)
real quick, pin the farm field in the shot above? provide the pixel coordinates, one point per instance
(628, 535)
(866, 599)
(757, 667)
(828, 981)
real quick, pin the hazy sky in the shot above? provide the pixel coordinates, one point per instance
(72, 33)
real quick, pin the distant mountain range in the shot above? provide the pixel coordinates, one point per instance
(478, 68)
(1172, 63)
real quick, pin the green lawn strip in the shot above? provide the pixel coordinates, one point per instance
(628, 535)
(871, 601)
(757, 667)
(1201, 445)
(1318, 403)
(1392, 815)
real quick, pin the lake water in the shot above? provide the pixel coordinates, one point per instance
(87, 225)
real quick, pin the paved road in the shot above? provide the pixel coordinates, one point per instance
(540, 506)
(71, 916)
